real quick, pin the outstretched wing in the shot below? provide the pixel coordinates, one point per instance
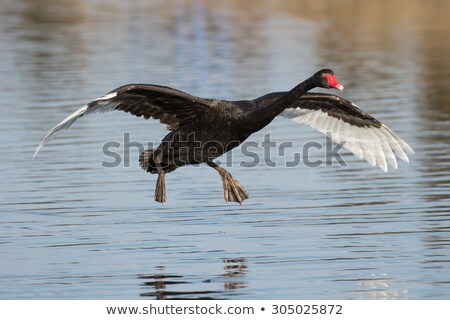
(346, 124)
(172, 107)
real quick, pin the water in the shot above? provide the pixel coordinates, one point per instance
(71, 229)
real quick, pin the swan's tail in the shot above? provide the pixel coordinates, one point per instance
(146, 161)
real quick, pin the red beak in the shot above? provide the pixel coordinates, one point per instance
(333, 82)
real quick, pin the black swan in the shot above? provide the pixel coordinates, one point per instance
(204, 129)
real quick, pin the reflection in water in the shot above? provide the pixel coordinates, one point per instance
(235, 269)
(54, 42)
(170, 286)
(72, 229)
(381, 287)
(434, 107)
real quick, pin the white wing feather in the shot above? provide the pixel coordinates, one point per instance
(378, 146)
(103, 106)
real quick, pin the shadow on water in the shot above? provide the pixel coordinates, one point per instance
(167, 286)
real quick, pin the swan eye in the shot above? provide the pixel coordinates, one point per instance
(325, 77)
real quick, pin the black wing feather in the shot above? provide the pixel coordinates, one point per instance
(171, 106)
(332, 105)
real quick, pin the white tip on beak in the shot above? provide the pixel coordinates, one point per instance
(340, 87)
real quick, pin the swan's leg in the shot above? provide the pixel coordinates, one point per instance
(232, 189)
(160, 191)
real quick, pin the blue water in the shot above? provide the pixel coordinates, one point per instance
(71, 228)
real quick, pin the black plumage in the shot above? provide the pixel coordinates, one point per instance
(204, 129)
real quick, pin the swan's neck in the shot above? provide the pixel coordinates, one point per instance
(264, 114)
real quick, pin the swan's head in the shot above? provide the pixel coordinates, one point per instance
(325, 78)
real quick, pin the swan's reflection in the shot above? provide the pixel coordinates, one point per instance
(164, 285)
(381, 286)
(235, 270)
